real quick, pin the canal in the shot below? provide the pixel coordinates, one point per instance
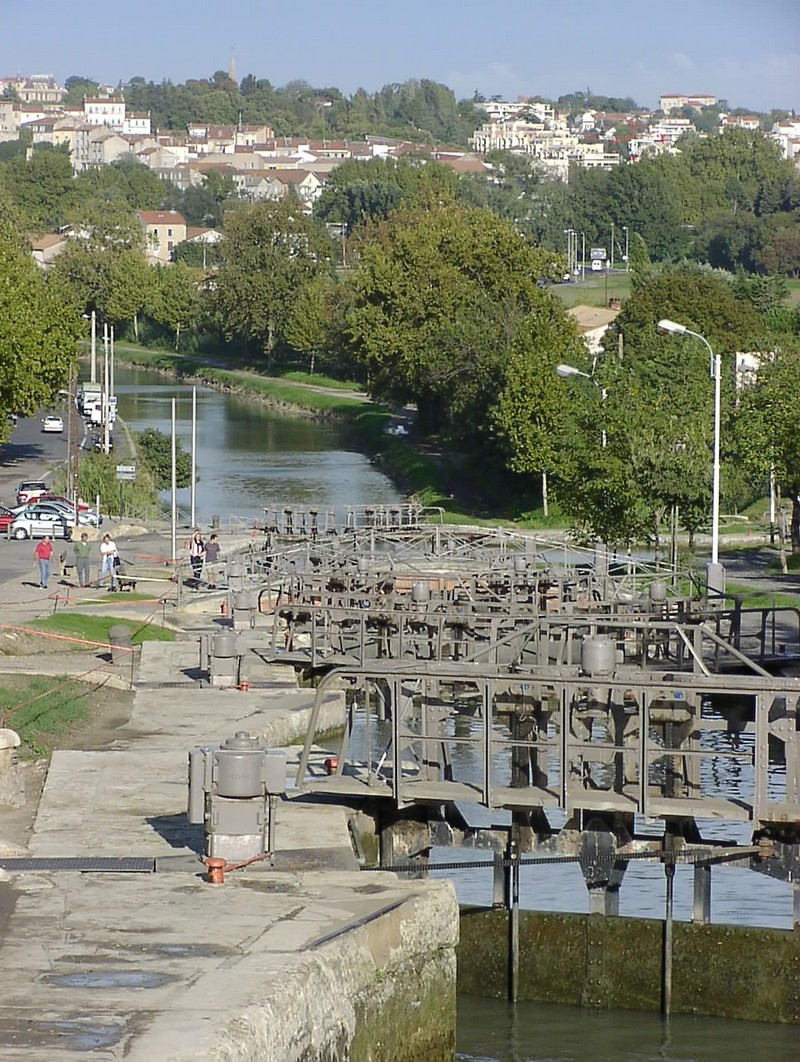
(249, 458)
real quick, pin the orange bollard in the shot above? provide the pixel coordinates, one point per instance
(223, 608)
(216, 871)
(244, 686)
(332, 764)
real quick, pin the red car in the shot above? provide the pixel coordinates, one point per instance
(6, 518)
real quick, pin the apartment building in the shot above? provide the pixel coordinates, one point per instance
(163, 231)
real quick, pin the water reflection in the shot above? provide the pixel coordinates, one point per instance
(532, 1032)
(247, 457)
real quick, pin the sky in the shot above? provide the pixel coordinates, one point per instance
(744, 51)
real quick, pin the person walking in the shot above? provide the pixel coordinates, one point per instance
(212, 557)
(44, 553)
(83, 553)
(108, 558)
(197, 555)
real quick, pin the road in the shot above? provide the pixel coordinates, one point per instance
(28, 454)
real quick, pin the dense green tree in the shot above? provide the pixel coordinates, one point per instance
(659, 411)
(360, 191)
(437, 301)
(41, 187)
(174, 298)
(39, 328)
(77, 88)
(768, 428)
(268, 253)
(309, 328)
(156, 450)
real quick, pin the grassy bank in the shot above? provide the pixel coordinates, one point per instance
(43, 711)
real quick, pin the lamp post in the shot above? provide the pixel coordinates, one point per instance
(625, 230)
(715, 573)
(566, 371)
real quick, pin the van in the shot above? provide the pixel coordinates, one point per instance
(29, 490)
(597, 265)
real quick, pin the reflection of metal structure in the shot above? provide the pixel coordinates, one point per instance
(591, 736)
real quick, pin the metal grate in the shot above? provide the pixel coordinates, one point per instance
(92, 864)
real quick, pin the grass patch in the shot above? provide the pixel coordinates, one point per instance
(593, 291)
(43, 710)
(115, 598)
(759, 598)
(792, 563)
(320, 380)
(96, 628)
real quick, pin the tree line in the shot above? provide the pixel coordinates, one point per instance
(446, 301)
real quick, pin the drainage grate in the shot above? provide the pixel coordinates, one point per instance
(96, 865)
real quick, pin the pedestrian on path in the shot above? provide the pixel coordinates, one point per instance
(212, 557)
(108, 557)
(44, 553)
(197, 555)
(83, 553)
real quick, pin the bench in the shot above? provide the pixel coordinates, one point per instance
(126, 582)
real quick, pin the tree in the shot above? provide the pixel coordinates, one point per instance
(309, 326)
(156, 450)
(660, 409)
(175, 300)
(436, 303)
(368, 191)
(41, 187)
(39, 329)
(768, 428)
(269, 251)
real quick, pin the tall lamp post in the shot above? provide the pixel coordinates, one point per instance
(566, 371)
(627, 266)
(715, 572)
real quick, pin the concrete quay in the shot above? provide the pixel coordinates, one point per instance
(307, 958)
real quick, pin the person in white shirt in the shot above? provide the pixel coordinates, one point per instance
(108, 557)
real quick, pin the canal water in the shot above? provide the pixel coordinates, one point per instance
(249, 459)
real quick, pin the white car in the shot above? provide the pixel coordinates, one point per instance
(52, 424)
(86, 517)
(38, 520)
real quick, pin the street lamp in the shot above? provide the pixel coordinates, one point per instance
(715, 573)
(627, 266)
(566, 371)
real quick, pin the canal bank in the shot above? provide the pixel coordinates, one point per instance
(115, 942)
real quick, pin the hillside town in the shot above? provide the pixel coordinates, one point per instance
(263, 166)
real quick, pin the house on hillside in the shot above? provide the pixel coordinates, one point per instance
(163, 231)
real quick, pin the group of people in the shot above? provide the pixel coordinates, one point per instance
(201, 553)
(109, 560)
(45, 553)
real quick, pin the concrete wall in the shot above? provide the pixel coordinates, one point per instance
(591, 960)
(385, 992)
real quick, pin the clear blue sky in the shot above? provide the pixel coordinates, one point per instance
(745, 51)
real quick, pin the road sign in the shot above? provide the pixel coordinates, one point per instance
(126, 472)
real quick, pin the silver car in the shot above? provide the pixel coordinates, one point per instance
(36, 521)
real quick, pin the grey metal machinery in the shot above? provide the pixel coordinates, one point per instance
(233, 793)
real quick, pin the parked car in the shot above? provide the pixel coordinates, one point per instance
(82, 505)
(29, 490)
(52, 424)
(86, 517)
(7, 517)
(36, 521)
